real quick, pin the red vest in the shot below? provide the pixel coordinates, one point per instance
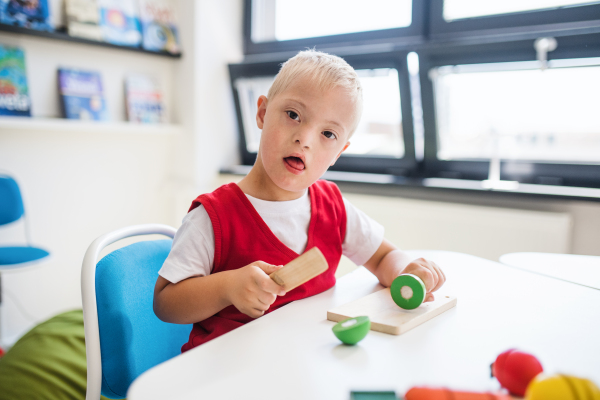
(242, 237)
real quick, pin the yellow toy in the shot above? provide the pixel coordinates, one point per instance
(561, 387)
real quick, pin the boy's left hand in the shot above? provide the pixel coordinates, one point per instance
(431, 275)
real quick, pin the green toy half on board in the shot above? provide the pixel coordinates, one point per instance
(408, 291)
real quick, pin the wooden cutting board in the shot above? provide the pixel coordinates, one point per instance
(386, 316)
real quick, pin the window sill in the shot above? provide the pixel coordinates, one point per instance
(461, 185)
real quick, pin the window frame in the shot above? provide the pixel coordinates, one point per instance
(542, 172)
(511, 23)
(486, 39)
(412, 34)
(382, 164)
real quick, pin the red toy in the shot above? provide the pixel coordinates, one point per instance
(515, 369)
(425, 393)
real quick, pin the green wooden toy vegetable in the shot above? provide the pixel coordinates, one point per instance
(408, 291)
(352, 330)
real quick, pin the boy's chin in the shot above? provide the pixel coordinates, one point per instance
(295, 184)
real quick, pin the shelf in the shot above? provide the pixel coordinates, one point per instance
(59, 35)
(69, 125)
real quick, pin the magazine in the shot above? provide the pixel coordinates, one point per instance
(81, 94)
(119, 22)
(14, 93)
(82, 19)
(32, 14)
(144, 99)
(159, 26)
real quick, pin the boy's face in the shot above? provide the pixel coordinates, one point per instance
(304, 131)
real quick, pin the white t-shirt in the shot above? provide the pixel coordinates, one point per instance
(193, 250)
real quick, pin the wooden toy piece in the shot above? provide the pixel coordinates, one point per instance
(301, 269)
(408, 291)
(515, 370)
(561, 387)
(386, 316)
(425, 393)
(352, 330)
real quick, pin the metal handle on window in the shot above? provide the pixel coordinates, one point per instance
(542, 47)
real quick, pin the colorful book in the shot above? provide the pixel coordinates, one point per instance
(159, 26)
(81, 94)
(144, 99)
(14, 93)
(120, 23)
(83, 18)
(32, 14)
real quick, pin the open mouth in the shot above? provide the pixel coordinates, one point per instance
(295, 162)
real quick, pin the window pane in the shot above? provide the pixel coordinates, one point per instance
(518, 111)
(249, 90)
(379, 131)
(287, 19)
(459, 9)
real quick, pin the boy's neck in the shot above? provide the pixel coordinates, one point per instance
(258, 185)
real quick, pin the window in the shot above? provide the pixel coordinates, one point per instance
(461, 9)
(285, 25)
(554, 116)
(278, 20)
(380, 140)
(453, 88)
(510, 18)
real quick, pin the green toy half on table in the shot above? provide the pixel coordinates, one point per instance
(352, 330)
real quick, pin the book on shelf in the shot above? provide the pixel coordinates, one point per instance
(83, 18)
(32, 14)
(159, 26)
(144, 99)
(14, 92)
(81, 94)
(119, 22)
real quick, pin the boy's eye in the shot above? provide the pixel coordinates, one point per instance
(329, 135)
(293, 115)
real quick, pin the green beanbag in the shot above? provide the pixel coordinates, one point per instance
(48, 362)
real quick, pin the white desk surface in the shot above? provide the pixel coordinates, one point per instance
(582, 270)
(293, 354)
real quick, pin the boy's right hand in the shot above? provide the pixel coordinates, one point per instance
(252, 291)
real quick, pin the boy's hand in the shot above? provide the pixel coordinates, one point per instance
(431, 275)
(252, 291)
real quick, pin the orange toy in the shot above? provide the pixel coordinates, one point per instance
(515, 369)
(425, 393)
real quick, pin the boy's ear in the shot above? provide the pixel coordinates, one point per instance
(262, 110)
(340, 153)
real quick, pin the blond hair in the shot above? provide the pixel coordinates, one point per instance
(326, 71)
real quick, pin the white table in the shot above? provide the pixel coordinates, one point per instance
(582, 270)
(292, 353)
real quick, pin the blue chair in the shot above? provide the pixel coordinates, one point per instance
(123, 336)
(12, 210)
(15, 257)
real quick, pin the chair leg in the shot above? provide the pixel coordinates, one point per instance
(1, 349)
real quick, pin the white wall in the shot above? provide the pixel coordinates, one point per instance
(79, 185)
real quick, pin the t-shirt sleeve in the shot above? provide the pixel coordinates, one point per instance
(364, 235)
(193, 250)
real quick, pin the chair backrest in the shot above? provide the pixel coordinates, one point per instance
(131, 338)
(11, 203)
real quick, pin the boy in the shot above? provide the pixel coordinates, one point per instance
(217, 274)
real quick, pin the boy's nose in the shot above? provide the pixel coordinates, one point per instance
(304, 137)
